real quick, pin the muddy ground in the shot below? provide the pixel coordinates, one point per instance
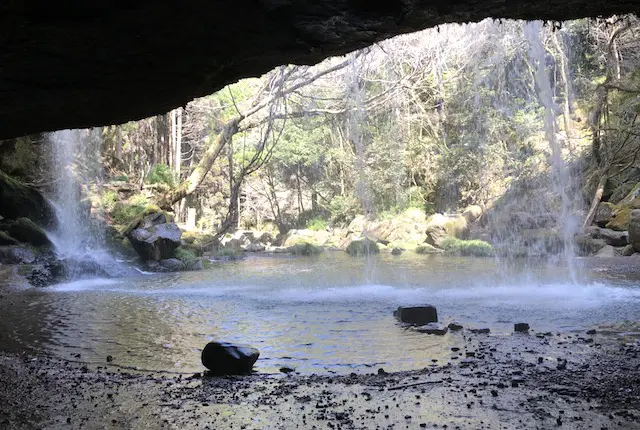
(527, 381)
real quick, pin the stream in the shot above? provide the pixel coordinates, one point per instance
(325, 314)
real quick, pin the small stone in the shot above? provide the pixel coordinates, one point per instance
(287, 370)
(396, 251)
(433, 328)
(480, 330)
(454, 326)
(417, 315)
(381, 371)
(521, 327)
(591, 332)
(109, 358)
(494, 393)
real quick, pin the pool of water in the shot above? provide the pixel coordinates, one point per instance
(330, 313)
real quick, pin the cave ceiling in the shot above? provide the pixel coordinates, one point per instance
(88, 63)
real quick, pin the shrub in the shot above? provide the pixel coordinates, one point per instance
(473, 248)
(317, 224)
(185, 254)
(109, 200)
(121, 178)
(160, 174)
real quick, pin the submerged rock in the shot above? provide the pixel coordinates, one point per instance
(223, 358)
(483, 330)
(433, 328)
(396, 251)
(417, 315)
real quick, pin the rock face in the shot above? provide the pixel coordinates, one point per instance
(634, 229)
(154, 238)
(26, 231)
(18, 200)
(439, 227)
(417, 315)
(62, 48)
(223, 358)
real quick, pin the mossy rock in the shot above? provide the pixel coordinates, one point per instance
(425, 248)
(6, 239)
(304, 248)
(360, 247)
(467, 248)
(620, 220)
(186, 254)
(147, 211)
(18, 200)
(26, 231)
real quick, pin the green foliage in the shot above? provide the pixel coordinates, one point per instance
(109, 200)
(471, 248)
(122, 178)
(126, 212)
(161, 174)
(344, 209)
(185, 254)
(304, 248)
(317, 224)
(362, 247)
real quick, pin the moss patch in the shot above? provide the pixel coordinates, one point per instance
(470, 248)
(362, 247)
(304, 248)
(425, 248)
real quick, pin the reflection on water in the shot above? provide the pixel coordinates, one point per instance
(330, 313)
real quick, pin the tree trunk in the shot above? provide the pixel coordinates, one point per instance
(196, 177)
(597, 197)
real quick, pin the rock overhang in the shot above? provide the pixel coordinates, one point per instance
(80, 64)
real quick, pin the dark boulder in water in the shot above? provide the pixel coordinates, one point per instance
(223, 358)
(417, 315)
(521, 327)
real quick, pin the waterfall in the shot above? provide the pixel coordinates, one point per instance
(560, 175)
(78, 240)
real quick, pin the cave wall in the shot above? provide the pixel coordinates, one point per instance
(86, 63)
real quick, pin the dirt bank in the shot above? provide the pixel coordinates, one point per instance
(519, 381)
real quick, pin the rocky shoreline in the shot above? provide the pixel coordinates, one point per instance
(537, 380)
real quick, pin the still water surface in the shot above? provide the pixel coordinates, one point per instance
(330, 313)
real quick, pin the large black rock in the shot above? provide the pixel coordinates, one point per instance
(223, 358)
(417, 315)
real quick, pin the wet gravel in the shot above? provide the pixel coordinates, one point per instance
(526, 381)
